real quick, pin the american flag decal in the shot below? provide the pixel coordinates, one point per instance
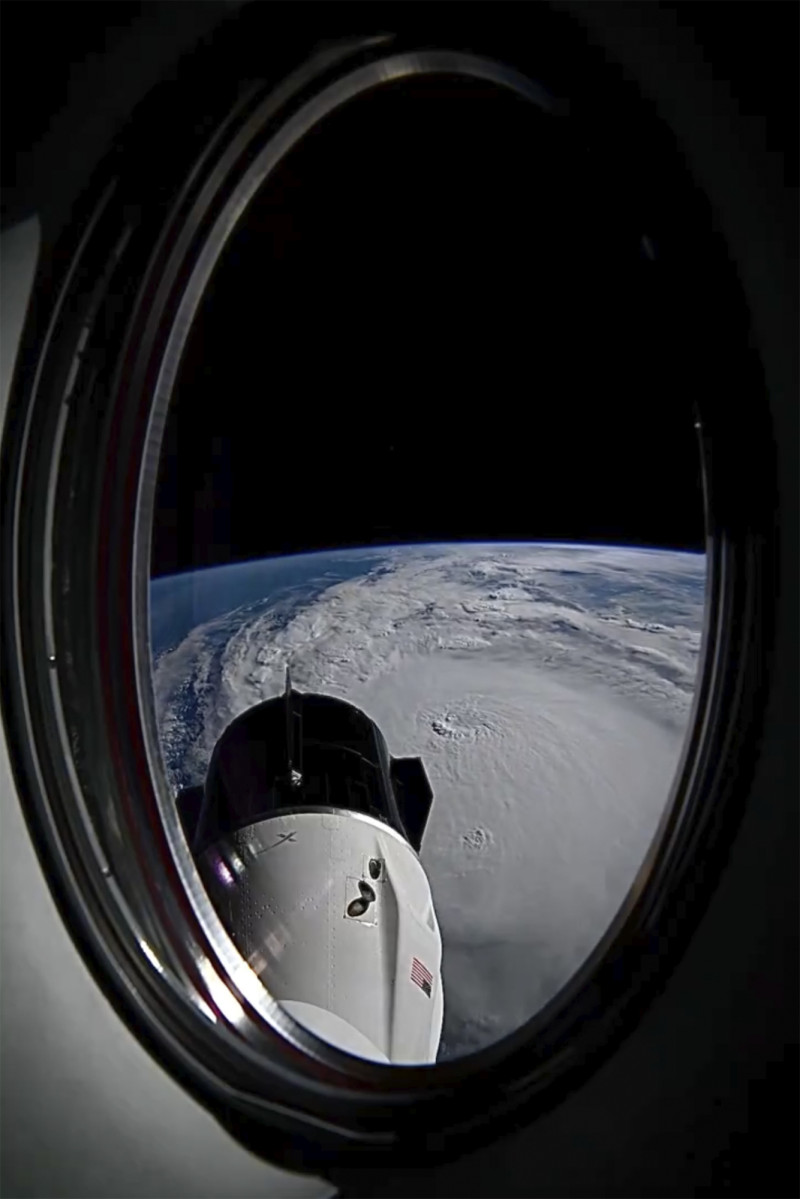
(421, 975)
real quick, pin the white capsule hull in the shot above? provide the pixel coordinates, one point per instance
(333, 910)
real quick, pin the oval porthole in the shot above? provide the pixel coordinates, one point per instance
(436, 271)
(447, 787)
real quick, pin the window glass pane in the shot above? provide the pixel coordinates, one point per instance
(439, 357)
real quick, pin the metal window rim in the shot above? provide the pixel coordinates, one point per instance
(270, 1069)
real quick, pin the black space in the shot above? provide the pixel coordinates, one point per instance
(436, 322)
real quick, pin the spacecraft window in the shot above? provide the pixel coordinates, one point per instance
(556, 693)
(545, 681)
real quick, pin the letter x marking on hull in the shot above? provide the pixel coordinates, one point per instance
(283, 839)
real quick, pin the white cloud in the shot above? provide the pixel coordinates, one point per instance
(547, 690)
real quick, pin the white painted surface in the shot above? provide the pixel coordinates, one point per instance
(283, 887)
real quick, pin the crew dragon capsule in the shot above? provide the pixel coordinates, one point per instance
(306, 834)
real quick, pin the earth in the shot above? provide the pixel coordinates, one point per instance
(547, 688)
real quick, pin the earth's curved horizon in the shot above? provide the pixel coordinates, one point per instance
(547, 687)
